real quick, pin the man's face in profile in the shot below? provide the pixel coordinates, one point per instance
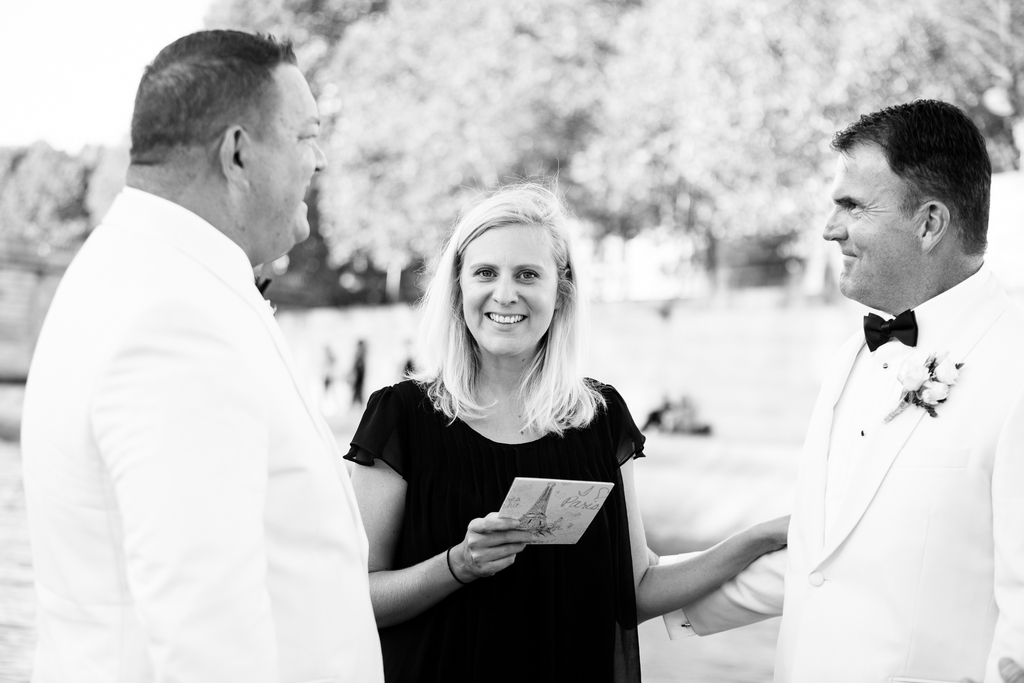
(286, 156)
(881, 253)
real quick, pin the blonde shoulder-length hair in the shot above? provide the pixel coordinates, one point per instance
(555, 395)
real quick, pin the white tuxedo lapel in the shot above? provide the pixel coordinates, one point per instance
(326, 435)
(865, 479)
(815, 464)
(887, 441)
(267, 317)
(243, 284)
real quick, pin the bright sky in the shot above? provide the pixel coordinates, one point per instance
(69, 68)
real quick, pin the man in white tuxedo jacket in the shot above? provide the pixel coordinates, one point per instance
(190, 520)
(906, 543)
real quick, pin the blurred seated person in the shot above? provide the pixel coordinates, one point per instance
(499, 394)
(677, 417)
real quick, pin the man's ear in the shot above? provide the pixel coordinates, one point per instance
(233, 154)
(934, 225)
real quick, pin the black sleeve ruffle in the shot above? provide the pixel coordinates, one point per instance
(625, 432)
(377, 436)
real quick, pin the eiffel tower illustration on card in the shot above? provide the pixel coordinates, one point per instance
(556, 511)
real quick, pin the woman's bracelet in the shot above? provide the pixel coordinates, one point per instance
(448, 557)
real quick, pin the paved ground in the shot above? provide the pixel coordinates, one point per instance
(17, 601)
(694, 491)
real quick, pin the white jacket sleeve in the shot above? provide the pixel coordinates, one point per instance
(1007, 525)
(177, 419)
(753, 595)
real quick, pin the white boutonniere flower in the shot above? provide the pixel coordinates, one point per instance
(926, 380)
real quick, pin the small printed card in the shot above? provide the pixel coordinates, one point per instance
(555, 510)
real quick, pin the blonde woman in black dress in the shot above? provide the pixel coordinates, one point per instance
(457, 594)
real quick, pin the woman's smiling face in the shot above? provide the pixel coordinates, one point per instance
(509, 283)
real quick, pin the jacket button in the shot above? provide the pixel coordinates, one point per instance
(816, 579)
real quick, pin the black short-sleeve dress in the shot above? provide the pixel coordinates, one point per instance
(560, 612)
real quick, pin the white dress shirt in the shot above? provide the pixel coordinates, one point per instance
(873, 390)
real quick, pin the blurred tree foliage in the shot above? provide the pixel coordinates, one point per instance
(707, 116)
(442, 98)
(45, 196)
(722, 113)
(312, 273)
(426, 102)
(979, 47)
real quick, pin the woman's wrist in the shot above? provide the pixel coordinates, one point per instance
(455, 564)
(758, 540)
(769, 539)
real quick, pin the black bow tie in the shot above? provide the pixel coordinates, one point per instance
(902, 328)
(262, 285)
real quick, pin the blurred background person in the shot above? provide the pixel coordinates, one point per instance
(328, 403)
(409, 367)
(357, 375)
(501, 395)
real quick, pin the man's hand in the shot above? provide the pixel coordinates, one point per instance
(1011, 671)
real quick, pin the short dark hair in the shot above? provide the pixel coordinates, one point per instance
(941, 155)
(198, 86)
